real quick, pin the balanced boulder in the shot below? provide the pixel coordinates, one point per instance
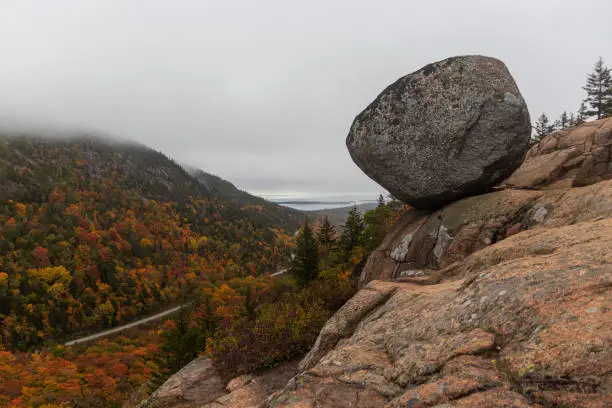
(452, 129)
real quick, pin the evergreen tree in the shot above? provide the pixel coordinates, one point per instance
(306, 261)
(378, 222)
(542, 128)
(571, 121)
(563, 121)
(381, 200)
(581, 115)
(179, 346)
(353, 227)
(326, 235)
(599, 91)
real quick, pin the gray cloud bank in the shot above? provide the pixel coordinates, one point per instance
(263, 92)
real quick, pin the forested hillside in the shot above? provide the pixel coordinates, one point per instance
(96, 232)
(225, 191)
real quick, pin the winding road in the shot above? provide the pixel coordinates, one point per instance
(126, 326)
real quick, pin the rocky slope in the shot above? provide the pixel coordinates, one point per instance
(198, 385)
(498, 300)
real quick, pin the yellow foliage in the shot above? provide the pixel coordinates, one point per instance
(146, 243)
(58, 274)
(57, 290)
(106, 309)
(103, 287)
(3, 280)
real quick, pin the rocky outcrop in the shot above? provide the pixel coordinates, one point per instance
(452, 129)
(196, 382)
(421, 243)
(250, 391)
(572, 157)
(199, 385)
(500, 331)
(498, 300)
(344, 321)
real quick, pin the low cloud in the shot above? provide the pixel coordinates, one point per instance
(263, 93)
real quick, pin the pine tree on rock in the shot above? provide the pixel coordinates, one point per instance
(305, 266)
(377, 224)
(563, 121)
(353, 228)
(326, 235)
(581, 115)
(599, 91)
(542, 128)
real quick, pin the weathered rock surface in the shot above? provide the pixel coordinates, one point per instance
(502, 332)
(425, 247)
(343, 322)
(198, 385)
(572, 157)
(196, 382)
(454, 128)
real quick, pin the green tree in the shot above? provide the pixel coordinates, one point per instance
(599, 91)
(563, 122)
(353, 227)
(180, 344)
(326, 235)
(378, 223)
(306, 261)
(542, 127)
(581, 115)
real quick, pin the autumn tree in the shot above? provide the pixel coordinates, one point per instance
(306, 261)
(599, 91)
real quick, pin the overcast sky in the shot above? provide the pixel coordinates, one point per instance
(263, 93)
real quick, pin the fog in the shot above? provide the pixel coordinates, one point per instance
(263, 93)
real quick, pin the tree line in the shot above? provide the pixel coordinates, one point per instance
(597, 104)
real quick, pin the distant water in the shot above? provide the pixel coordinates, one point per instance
(322, 202)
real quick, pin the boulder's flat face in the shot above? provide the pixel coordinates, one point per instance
(453, 129)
